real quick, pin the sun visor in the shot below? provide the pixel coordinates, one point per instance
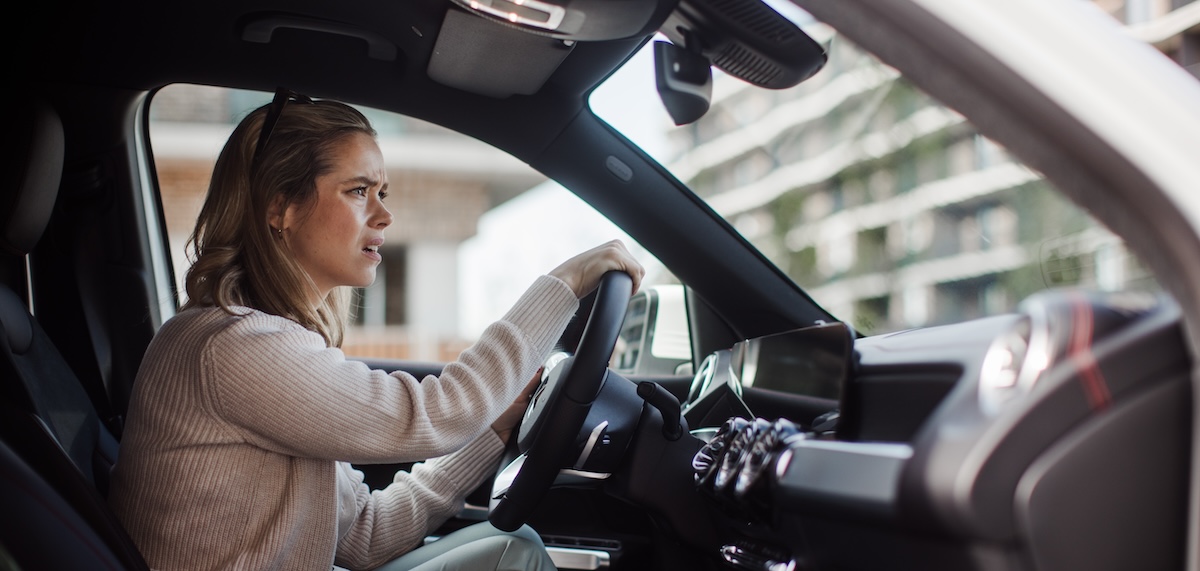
(476, 55)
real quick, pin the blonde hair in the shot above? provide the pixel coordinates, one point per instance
(238, 258)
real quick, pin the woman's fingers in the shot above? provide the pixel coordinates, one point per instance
(583, 271)
(511, 417)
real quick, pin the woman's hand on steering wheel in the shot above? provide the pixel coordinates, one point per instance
(583, 272)
(511, 417)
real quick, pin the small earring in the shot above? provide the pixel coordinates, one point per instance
(278, 232)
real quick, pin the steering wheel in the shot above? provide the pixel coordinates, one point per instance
(562, 403)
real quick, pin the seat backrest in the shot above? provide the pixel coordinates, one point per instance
(39, 381)
(49, 420)
(40, 529)
(39, 377)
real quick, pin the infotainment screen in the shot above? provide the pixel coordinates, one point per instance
(813, 361)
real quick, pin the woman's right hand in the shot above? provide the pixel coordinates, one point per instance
(582, 272)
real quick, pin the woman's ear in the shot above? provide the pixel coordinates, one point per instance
(276, 213)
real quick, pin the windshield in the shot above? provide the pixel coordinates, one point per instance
(889, 209)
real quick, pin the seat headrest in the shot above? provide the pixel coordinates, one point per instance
(31, 174)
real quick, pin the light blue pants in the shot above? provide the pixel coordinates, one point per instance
(479, 547)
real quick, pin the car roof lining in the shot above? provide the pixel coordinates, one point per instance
(476, 55)
(330, 61)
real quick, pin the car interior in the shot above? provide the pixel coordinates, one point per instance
(1057, 436)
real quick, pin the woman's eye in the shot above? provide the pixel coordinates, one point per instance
(383, 194)
(360, 191)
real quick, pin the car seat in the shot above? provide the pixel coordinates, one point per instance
(57, 455)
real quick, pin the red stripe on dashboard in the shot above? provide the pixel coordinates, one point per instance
(1095, 388)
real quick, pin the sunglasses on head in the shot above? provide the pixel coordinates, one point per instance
(282, 97)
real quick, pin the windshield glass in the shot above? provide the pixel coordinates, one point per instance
(889, 209)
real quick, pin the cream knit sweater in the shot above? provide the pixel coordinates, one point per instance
(239, 429)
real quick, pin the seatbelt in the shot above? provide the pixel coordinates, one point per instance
(92, 304)
(89, 262)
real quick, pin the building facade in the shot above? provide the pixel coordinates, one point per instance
(893, 211)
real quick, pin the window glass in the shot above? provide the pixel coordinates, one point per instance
(473, 226)
(889, 209)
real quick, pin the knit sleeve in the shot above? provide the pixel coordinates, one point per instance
(394, 520)
(277, 385)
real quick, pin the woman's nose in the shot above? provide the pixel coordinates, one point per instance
(383, 217)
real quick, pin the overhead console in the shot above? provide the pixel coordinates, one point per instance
(1005, 439)
(501, 48)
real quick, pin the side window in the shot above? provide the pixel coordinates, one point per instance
(654, 338)
(473, 226)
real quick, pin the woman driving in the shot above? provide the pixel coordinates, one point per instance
(246, 416)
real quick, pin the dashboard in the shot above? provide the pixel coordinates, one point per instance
(972, 439)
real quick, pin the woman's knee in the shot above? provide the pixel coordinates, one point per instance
(523, 552)
(528, 534)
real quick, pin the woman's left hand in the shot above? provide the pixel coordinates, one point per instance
(511, 417)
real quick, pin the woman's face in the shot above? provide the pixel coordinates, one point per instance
(336, 238)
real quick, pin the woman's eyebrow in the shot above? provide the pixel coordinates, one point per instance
(364, 180)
